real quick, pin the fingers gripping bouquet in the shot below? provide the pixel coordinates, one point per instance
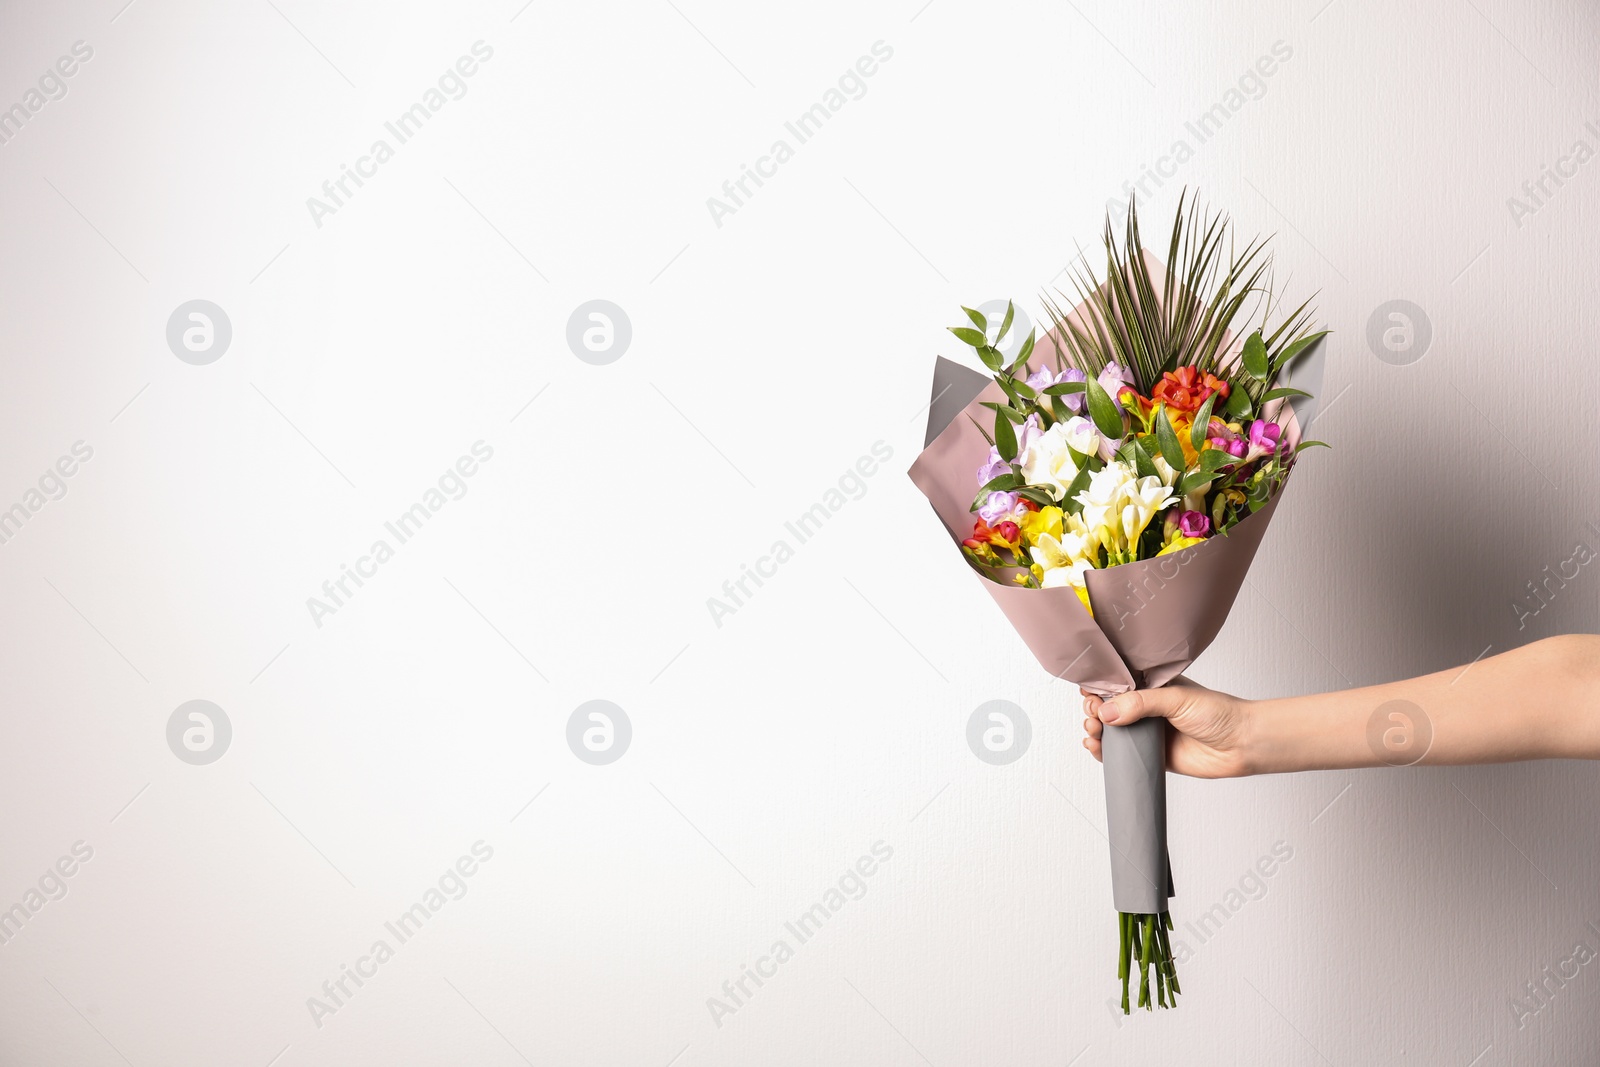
(1110, 483)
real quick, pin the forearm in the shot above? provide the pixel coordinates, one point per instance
(1541, 701)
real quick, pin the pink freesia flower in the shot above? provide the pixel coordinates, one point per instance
(1264, 438)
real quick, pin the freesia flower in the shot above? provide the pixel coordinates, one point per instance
(1232, 447)
(1144, 499)
(1073, 401)
(1027, 433)
(1264, 438)
(1186, 388)
(1112, 379)
(1062, 560)
(1049, 461)
(1178, 544)
(999, 506)
(1042, 379)
(1045, 521)
(1102, 501)
(1128, 399)
(1194, 524)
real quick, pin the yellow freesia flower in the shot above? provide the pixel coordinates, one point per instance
(1179, 543)
(1045, 521)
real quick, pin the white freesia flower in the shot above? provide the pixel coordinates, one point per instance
(1142, 500)
(1047, 461)
(1168, 475)
(1081, 434)
(1118, 505)
(1064, 561)
(1102, 501)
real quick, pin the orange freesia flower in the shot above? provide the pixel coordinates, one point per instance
(1186, 388)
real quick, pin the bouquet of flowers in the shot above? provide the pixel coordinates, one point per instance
(1131, 459)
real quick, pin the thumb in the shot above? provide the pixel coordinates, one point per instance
(1139, 704)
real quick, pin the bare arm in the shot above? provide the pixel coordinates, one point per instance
(1541, 701)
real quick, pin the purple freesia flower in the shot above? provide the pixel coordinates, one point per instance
(992, 469)
(999, 506)
(1074, 401)
(1043, 379)
(1194, 524)
(1112, 378)
(1027, 434)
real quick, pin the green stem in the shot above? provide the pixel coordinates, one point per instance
(1143, 943)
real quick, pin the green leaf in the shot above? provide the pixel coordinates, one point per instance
(1058, 408)
(1274, 394)
(977, 320)
(1007, 410)
(1006, 324)
(1003, 483)
(1192, 481)
(1167, 438)
(1142, 463)
(1005, 438)
(1255, 355)
(991, 356)
(975, 338)
(1214, 459)
(1310, 444)
(1103, 411)
(1026, 350)
(1063, 388)
(1038, 494)
(1298, 347)
(1238, 405)
(1076, 486)
(1202, 423)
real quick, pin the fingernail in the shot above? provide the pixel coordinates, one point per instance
(1108, 711)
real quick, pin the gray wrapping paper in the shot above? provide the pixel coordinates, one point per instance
(1136, 815)
(1151, 618)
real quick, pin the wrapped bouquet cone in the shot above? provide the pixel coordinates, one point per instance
(1112, 510)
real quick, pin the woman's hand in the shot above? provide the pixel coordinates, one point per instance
(1209, 738)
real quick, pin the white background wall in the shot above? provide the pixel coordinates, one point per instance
(768, 354)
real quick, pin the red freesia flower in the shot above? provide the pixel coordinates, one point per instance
(1186, 388)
